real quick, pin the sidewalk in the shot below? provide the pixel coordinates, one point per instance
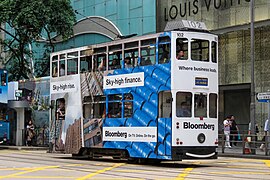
(30, 148)
(237, 152)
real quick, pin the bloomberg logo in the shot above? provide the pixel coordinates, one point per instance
(189, 125)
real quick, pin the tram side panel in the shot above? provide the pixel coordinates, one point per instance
(66, 113)
(143, 135)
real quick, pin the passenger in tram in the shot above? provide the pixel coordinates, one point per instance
(184, 110)
(62, 70)
(128, 62)
(147, 61)
(102, 65)
(165, 56)
(115, 64)
(180, 55)
(55, 72)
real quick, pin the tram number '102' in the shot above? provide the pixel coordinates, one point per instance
(193, 24)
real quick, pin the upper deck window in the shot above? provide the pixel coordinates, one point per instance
(72, 63)
(86, 60)
(148, 52)
(214, 52)
(100, 59)
(62, 65)
(131, 54)
(199, 50)
(164, 49)
(181, 48)
(55, 66)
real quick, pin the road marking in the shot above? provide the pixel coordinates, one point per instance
(45, 177)
(267, 162)
(29, 171)
(184, 174)
(100, 171)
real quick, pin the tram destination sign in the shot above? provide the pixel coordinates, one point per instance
(263, 97)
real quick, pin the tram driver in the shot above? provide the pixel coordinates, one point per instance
(184, 110)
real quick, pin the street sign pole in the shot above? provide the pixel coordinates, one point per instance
(252, 88)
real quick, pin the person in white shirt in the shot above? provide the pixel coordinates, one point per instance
(227, 125)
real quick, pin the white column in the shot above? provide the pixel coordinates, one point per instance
(20, 126)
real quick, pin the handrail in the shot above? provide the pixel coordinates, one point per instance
(246, 141)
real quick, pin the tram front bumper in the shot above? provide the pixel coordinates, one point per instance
(206, 152)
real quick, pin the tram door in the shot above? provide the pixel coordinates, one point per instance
(164, 123)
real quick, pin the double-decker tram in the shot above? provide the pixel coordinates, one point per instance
(152, 97)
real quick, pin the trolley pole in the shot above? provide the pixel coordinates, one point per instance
(252, 88)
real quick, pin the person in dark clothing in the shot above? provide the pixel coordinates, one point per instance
(233, 131)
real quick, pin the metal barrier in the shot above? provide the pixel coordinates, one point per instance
(246, 145)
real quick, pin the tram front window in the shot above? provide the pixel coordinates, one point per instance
(183, 104)
(200, 105)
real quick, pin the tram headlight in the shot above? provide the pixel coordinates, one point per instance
(201, 138)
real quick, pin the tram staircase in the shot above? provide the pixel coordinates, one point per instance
(145, 105)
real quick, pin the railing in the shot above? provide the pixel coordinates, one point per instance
(247, 144)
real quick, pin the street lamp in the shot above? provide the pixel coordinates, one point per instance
(252, 88)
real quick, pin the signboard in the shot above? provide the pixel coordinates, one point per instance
(123, 80)
(135, 134)
(263, 97)
(18, 93)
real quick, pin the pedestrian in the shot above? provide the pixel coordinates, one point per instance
(266, 130)
(233, 131)
(30, 133)
(227, 125)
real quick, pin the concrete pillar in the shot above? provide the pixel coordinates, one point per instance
(20, 126)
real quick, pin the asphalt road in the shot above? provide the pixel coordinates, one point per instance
(16, 164)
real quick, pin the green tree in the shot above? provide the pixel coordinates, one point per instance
(24, 22)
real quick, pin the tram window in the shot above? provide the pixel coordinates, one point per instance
(199, 50)
(87, 110)
(115, 59)
(214, 52)
(55, 69)
(164, 48)
(60, 110)
(128, 105)
(165, 104)
(148, 55)
(97, 139)
(72, 63)
(99, 105)
(115, 106)
(200, 105)
(182, 48)
(85, 64)
(100, 62)
(213, 105)
(94, 108)
(131, 57)
(183, 104)
(3, 79)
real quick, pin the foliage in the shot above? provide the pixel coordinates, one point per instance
(26, 21)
